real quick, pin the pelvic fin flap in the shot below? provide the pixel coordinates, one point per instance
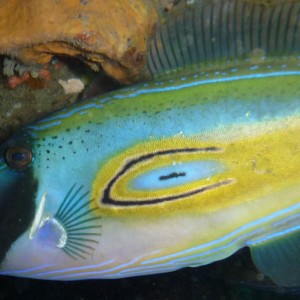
(278, 257)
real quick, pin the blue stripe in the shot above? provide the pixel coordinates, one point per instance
(25, 270)
(74, 269)
(210, 81)
(274, 235)
(38, 127)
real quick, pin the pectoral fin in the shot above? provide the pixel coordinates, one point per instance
(278, 256)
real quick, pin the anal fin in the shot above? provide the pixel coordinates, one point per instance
(278, 256)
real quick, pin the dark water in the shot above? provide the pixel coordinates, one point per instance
(231, 279)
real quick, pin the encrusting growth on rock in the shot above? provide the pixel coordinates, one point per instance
(104, 34)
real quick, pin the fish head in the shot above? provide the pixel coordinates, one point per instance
(43, 220)
(18, 189)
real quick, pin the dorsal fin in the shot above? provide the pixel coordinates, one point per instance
(225, 30)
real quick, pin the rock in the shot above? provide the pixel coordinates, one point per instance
(108, 34)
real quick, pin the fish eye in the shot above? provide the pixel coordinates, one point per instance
(18, 158)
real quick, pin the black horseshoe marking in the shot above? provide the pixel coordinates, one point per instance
(106, 199)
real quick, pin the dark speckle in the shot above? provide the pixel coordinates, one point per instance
(54, 137)
(71, 142)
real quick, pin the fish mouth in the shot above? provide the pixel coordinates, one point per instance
(17, 206)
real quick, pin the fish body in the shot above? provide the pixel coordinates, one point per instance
(180, 171)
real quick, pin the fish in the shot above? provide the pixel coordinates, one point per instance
(179, 171)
